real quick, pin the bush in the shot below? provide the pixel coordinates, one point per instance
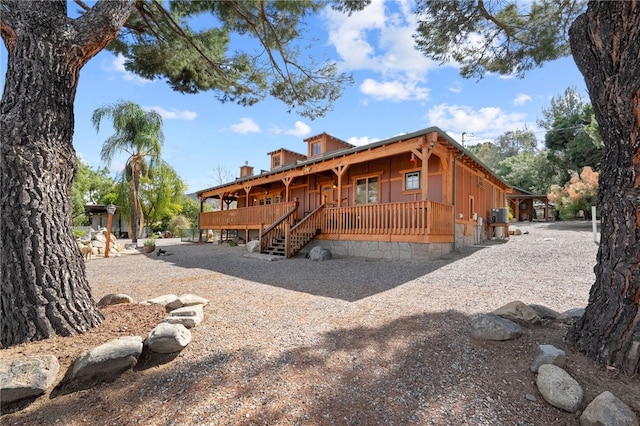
(578, 194)
(177, 223)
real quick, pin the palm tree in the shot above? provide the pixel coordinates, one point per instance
(139, 134)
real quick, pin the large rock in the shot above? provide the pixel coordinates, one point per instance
(189, 316)
(167, 338)
(319, 254)
(253, 246)
(163, 300)
(548, 354)
(186, 300)
(26, 377)
(571, 315)
(492, 327)
(558, 388)
(607, 410)
(545, 312)
(108, 360)
(114, 299)
(519, 312)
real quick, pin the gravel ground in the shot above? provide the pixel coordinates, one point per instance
(351, 341)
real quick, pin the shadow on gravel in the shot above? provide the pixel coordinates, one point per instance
(419, 369)
(348, 279)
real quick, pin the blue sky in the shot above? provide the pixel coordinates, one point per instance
(396, 90)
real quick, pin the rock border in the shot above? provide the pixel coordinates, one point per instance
(556, 386)
(24, 379)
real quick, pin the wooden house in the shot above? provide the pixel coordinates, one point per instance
(417, 195)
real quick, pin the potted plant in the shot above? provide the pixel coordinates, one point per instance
(149, 245)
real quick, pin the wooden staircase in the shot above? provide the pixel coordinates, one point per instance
(281, 239)
(277, 247)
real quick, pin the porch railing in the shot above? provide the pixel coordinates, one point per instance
(410, 218)
(241, 217)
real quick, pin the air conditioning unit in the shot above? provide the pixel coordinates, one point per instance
(500, 215)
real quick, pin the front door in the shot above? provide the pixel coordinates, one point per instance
(328, 193)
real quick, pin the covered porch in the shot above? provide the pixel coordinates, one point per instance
(411, 222)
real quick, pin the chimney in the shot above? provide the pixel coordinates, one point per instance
(246, 170)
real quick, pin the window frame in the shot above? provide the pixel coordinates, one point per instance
(367, 178)
(405, 175)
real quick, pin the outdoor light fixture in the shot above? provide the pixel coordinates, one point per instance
(412, 158)
(111, 209)
(432, 144)
(335, 184)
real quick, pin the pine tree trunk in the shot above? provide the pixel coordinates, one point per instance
(44, 291)
(605, 43)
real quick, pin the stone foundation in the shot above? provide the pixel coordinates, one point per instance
(382, 249)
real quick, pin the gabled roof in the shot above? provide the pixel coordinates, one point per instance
(462, 154)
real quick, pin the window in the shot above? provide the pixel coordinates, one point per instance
(411, 181)
(367, 190)
(276, 161)
(315, 148)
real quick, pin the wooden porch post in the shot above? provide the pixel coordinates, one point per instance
(247, 190)
(424, 152)
(516, 209)
(339, 170)
(287, 181)
(546, 209)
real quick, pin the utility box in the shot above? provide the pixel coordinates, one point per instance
(500, 215)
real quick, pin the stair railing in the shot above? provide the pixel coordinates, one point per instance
(303, 232)
(278, 229)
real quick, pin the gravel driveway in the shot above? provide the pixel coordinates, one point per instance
(351, 341)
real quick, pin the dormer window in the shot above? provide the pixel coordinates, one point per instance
(315, 148)
(276, 161)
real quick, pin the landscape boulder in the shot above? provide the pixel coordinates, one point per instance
(492, 327)
(253, 246)
(548, 354)
(114, 299)
(167, 338)
(187, 300)
(189, 316)
(518, 312)
(571, 315)
(163, 300)
(558, 388)
(607, 410)
(108, 360)
(545, 312)
(319, 254)
(26, 377)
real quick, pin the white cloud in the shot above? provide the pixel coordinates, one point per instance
(360, 141)
(246, 125)
(487, 122)
(299, 130)
(521, 99)
(393, 90)
(173, 114)
(379, 39)
(117, 66)
(455, 87)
